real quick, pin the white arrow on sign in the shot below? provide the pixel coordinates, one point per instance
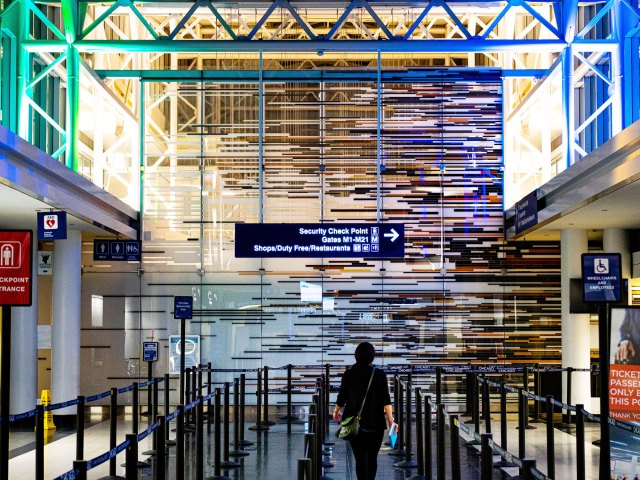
(393, 235)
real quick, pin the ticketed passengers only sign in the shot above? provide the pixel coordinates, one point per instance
(311, 240)
(15, 267)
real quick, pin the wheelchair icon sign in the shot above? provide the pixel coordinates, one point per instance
(601, 265)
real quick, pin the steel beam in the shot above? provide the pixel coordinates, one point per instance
(276, 46)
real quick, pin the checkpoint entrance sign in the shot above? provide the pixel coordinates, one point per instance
(15, 267)
(312, 240)
(150, 351)
(601, 277)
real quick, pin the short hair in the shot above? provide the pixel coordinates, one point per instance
(365, 353)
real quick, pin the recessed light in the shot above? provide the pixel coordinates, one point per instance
(605, 210)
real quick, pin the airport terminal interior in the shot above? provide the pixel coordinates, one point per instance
(207, 205)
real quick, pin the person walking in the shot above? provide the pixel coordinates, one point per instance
(363, 382)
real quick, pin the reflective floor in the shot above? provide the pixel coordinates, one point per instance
(274, 454)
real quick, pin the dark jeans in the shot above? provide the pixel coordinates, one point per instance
(365, 449)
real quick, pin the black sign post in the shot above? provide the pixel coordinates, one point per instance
(602, 284)
(183, 311)
(313, 240)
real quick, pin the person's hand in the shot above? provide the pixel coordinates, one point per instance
(394, 427)
(625, 349)
(337, 414)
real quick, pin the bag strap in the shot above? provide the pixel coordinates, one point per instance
(367, 392)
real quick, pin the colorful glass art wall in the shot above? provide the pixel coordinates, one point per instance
(461, 294)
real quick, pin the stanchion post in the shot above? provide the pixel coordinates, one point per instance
(428, 428)
(521, 423)
(150, 415)
(161, 462)
(438, 385)
(580, 451)
(194, 393)
(259, 426)
(154, 441)
(199, 390)
(401, 417)
(243, 383)
(476, 403)
(113, 428)
(527, 465)
(536, 389)
(304, 469)
(289, 394)
(238, 451)
(80, 466)
(187, 393)
(227, 463)
(199, 440)
(39, 442)
(525, 387)
(209, 390)
(80, 428)
(135, 408)
(327, 403)
(551, 449)
(486, 406)
(266, 421)
(567, 419)
(503, 415)
(486, 457)
(468, 394)
(131, 457)
(419, 436)
(441, 471)
(407, 428)
(180, 443)
(455, 448)
(217, 451)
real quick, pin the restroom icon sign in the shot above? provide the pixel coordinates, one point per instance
(10, 254)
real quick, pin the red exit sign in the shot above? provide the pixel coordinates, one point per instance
(15, 267)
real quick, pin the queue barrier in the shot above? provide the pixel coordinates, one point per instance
(322, 391)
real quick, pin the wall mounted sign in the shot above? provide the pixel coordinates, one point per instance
(15, 267)
(52, 226)
(311, 240)
(45, 262)
(117, 250)
(191, 352)
(527, 212)
(601, 277)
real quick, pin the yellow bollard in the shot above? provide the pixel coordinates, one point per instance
(45, 399)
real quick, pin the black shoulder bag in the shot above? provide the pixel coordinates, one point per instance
(350, 426)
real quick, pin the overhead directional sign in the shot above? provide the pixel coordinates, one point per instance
(527, 212)
(117, 250)
(15, 267)
(307, 240)
(601, 277)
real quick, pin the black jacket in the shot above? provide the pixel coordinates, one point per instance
(352, 389)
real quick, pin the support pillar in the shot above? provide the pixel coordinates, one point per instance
(65, 332)
(576, 338)
(616, 240)
(24, 347)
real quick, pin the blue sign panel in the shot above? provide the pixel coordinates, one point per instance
(183, 307)
(312, 240)
(527, 212)
(52, 226)
(117, 250)
(601, 277)
(150, 351)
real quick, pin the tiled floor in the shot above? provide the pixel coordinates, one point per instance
(274, 455)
